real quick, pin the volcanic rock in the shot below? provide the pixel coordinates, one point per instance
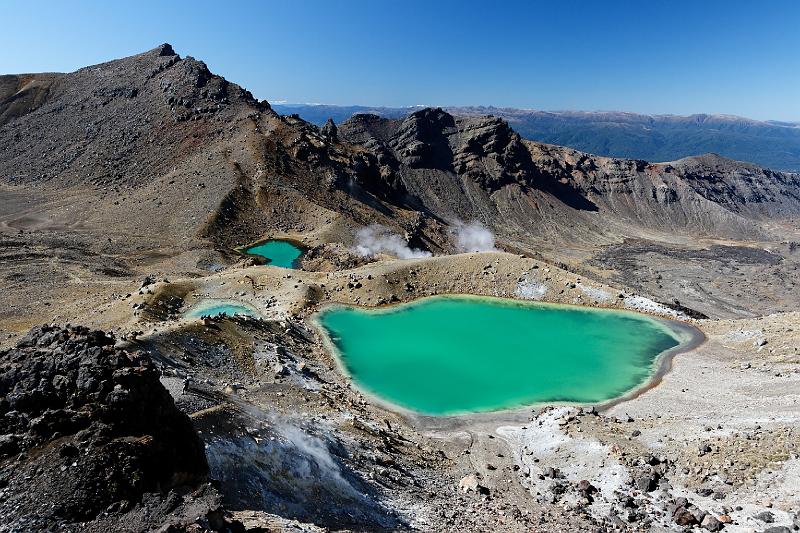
(471, 483)
(94, 426)
(710, 523)
(329, 131)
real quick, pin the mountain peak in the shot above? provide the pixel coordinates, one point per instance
(165, 50)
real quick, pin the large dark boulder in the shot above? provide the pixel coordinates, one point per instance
(86, 427)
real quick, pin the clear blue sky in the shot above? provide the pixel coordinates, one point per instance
(645, 56)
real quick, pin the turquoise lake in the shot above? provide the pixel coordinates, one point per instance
(277, 253)
(219, 307)
(455, 354)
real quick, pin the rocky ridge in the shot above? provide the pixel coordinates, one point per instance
(770, 143)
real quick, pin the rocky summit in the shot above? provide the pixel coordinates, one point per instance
(131, 191)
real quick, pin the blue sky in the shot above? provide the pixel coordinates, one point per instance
(644, 56)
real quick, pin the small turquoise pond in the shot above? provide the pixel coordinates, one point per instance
(277, 253)
(219, 307)
(455, 354)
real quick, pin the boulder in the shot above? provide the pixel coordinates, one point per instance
(587, 490)
(711, 523)
(551, 472)
(647, 482)
(94, 425)
(683, 517)
(471, 483)
(585, 486)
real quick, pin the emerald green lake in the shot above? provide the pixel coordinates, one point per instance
(219, 307)
(455, 354)
(277, 253)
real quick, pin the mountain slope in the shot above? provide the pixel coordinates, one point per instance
(465, 168)
(153, 163)
(161, 144)
(615, 134)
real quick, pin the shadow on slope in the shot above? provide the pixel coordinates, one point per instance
(297, 473)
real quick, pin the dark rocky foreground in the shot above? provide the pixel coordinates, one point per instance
(90, 439)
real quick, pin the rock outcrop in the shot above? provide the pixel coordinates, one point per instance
(103, 124)
(330, 131)
(770, 144)
(465, 168)
(87, 428)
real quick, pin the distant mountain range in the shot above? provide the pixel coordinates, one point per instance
(658, 138)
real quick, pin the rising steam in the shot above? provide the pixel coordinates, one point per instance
(376, 239)
(474, 237)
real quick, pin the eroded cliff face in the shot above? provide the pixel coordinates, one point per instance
(479, 168)
(152, 162)
(124, 122)
(170, 148)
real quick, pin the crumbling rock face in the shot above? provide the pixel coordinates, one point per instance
(329, 131)
(741, 187)
(160, 136)
(20, 94)
(483, 149)
(87, 427)
(478, 167)
(491, 153)
(422, 140)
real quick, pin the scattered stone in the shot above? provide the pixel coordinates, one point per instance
(711, 523)
(471, 483)
(586, 489)
(647, 482)
(551, 472)
(683, 517)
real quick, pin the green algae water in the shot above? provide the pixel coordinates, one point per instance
(455, 354)
(219, 307)
(278, 253)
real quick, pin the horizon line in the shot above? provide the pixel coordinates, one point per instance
(774, 122)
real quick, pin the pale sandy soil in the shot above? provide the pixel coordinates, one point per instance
(732, 391)
(706, 389)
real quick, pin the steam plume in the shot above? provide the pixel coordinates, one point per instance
(375, 239)
(474, 237)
